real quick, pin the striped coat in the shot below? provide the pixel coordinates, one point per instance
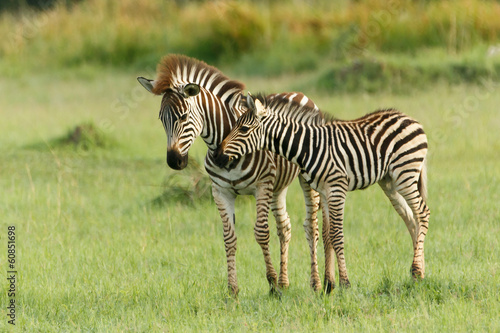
(198, 100)
(384, 147)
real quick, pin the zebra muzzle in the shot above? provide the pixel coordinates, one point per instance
(222, 160)
(175, 160)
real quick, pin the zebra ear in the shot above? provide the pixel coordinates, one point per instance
(250, 102)
(260, 111)
(146, 83)
(256, 106)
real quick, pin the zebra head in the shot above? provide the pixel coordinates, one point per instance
(246, 136)
(180, 121)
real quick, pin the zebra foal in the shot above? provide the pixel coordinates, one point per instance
(198, 100)
(384, 147)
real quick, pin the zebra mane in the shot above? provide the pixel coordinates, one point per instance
(176, 70)
(294, 108)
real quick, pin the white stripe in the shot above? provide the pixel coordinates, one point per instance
(192, 75)
(184, 74)
(219, 86)
(200, 78)
(179, 75)
(209, 82)
(229, 92)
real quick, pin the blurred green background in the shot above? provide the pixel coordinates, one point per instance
(365, 45)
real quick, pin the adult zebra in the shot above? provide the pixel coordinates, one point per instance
(384, 146)
(199, 100)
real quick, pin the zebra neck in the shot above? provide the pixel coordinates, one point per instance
(286, 139)
(220, 115)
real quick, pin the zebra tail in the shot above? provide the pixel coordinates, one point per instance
(422, 181)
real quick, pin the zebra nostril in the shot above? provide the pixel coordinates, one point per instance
(216, 153)
(219, 158)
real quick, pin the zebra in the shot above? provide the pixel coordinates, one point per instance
(197, 100)
(384, 147)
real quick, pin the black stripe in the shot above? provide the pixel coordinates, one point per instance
(407, 138)
(295, 144)
(413, 160)
(387, 141)
(350, 157)
(421, 146)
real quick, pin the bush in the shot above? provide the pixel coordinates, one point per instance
(234, 30)
(263, 38)
(401, 75)
(83, 138)
(20, 5)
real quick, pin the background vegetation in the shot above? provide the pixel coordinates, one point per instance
(348, 45)
(110, 239)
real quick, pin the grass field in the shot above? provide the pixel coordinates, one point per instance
(109, 239)
(98, 251)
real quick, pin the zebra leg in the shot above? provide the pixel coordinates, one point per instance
(417, 203)
(336, 203)
(261, 231)
(278, 206)
(328, 248)
(400, 205)
(311, 198)
(224, 200)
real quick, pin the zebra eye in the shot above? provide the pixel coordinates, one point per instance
(191, 90)
(244, 129)
(183, 117)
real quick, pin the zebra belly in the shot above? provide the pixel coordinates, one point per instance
(360, 180)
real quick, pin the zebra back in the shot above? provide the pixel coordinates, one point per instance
(293, 106)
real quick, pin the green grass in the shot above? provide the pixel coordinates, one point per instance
(95, 252)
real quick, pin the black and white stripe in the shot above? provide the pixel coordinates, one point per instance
(198, 100)
(384, 147)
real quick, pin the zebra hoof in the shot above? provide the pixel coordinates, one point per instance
(417, 273)
(233, 291)
(275, 292)
(316, 286)
(329, 286)
(345, 284)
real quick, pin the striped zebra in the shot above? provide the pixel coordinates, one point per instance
(384, 147)
(199, 100)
